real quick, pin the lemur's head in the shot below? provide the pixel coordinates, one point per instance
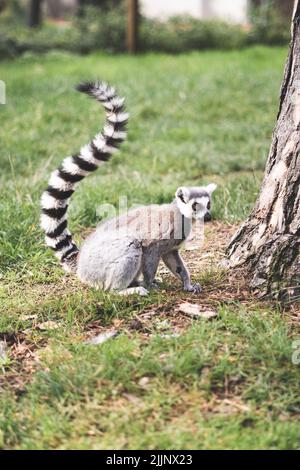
(195, 202)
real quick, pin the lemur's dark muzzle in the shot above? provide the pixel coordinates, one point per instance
(207, 217)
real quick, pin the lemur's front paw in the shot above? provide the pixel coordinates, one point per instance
(194, 288)
(141, 291)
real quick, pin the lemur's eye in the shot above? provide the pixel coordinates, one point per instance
(208, 205)
(194, 206)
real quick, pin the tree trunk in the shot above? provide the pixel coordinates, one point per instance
(267, 243)
(34, 17)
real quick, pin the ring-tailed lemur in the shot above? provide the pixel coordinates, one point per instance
(120, 250)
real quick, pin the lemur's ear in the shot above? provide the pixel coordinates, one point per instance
(210, 188)
(183, 194)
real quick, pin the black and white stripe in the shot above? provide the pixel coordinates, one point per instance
(73, 169)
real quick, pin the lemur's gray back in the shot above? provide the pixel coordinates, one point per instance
(62, 182)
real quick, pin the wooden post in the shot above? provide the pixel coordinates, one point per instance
(132, 26)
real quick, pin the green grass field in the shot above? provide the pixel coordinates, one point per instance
(224, 383)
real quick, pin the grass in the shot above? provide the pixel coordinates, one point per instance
(225, 383)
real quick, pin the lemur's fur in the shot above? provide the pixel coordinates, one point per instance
(122, 249)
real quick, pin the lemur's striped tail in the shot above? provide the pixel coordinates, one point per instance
(62, 182)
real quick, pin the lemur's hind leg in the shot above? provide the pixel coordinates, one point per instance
(150, 262)
(149, 265)
(176, 265)
(108, 262)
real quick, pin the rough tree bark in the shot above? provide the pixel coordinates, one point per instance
(267, 243)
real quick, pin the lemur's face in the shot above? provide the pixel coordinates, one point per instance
(195, 202)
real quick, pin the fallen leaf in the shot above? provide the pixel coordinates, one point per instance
(27, 317)
(195, 311)
(102, 337)
(163, 356)
(117, 322)
(162, 324)
(229, 407)
(149, 314)
(170, 336)
(3, 355)
(133, 399)
(48, 325)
